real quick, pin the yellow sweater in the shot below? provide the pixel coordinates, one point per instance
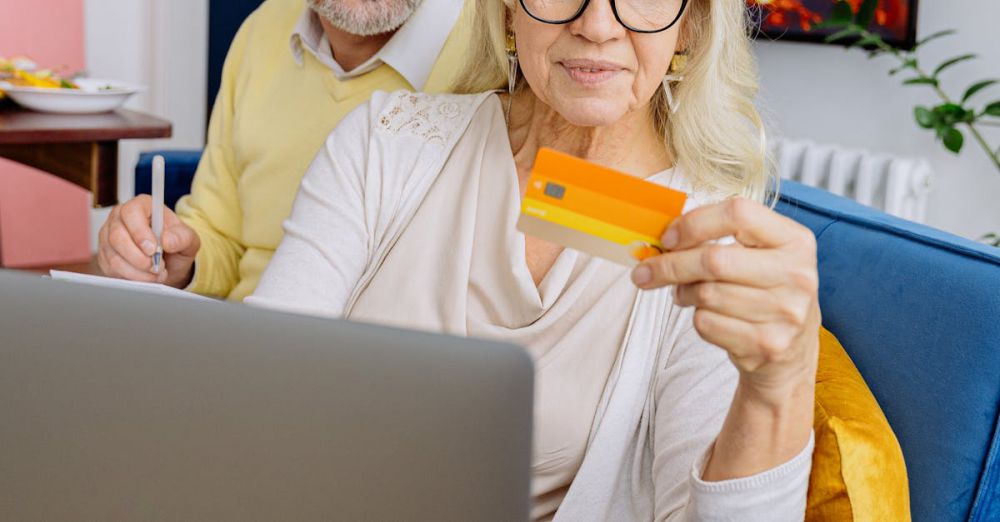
(270, 118)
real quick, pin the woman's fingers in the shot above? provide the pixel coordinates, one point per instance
(750, 223)
(747, 303)
(732, 263)
(756, 299)
(750, 345)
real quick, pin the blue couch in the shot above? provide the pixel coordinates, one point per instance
(919, 312)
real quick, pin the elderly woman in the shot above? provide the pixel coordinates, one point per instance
(679, 390)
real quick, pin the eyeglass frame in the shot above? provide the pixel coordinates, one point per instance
(614, 9)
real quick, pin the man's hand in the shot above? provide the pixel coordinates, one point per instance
(126, 245)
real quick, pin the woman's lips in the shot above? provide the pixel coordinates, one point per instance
(591, 72)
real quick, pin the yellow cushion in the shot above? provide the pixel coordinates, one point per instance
(858, 470)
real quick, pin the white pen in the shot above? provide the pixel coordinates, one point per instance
(158, 168)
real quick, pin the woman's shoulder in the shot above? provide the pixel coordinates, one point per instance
(433, 118)
(406, 128)
(396, 142)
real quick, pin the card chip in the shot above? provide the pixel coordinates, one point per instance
(554, 190)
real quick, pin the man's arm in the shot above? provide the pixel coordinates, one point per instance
(213, 207)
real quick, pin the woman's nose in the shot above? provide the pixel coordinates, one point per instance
(598, 23)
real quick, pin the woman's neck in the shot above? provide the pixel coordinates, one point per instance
(631, 145)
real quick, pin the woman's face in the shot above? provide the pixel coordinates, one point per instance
(593, 70)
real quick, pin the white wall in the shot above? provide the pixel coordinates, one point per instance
(162, 44)
(829, 95)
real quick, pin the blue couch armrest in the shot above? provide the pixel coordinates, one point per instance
(919, 312)
(180, 168)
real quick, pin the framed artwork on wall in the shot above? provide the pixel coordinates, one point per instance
(796, 20)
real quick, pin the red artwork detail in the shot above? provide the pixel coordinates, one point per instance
(890, 15)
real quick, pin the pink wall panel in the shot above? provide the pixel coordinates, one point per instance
(48, 31)
(43, 220)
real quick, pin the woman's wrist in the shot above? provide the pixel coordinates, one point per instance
(778, 397)
(764, 429)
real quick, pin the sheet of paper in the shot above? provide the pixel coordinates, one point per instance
(121, 284)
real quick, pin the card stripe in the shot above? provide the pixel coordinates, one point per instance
(601, 207)
(569, 238)
(582, 223)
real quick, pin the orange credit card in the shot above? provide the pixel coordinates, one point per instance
(596, 210)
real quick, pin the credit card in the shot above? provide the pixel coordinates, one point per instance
(596, 210)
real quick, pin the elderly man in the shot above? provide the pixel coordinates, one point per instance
(293, 71)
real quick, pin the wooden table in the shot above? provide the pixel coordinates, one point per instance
(82, 149)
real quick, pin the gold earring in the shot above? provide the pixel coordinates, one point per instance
(511, 43)
(674, 74)
(511, 46)
(678, 63)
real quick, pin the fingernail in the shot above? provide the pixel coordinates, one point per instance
(148, 247)
(670, 238)
(642, 275)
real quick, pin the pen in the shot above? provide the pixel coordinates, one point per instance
(158, 168)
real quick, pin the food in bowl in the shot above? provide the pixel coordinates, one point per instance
(21, 71)
(47, 91)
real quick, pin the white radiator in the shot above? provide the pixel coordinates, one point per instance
(895, 185)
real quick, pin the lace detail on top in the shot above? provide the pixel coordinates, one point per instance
(433, 118)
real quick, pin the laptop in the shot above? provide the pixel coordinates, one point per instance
(123, 406)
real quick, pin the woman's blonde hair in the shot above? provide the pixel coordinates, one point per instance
(716, 137)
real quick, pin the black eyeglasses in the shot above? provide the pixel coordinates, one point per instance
(641, 16)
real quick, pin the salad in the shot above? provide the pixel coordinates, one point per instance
(23, 72)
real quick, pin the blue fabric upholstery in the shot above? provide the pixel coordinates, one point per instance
(919, 312)
(180, 166)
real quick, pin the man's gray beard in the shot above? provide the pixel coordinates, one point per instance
(369, 18)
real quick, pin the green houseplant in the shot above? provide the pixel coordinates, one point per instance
(951, 118)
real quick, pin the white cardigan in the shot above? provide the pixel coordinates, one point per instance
(367, 183)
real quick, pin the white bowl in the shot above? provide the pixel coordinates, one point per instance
(93, 96)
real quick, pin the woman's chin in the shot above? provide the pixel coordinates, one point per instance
(590, 112)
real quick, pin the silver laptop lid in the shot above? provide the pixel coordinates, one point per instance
(123, 406)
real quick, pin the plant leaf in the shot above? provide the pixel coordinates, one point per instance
(920, 80)
(935, 36)
(976, 87)
(843, 33)
(842, 12)
(866, 13)
(953, 61)
(909, 63)
(872, 39)
(953, 140)
(925, 118)
(993, 109)
(951, 113)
